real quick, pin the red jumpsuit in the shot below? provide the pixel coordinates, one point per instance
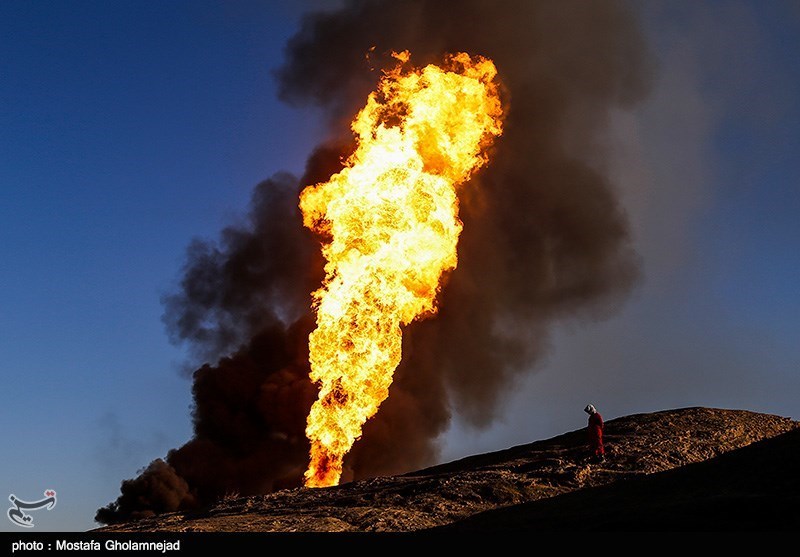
(596, 434)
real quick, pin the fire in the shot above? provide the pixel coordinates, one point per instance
(390, 225)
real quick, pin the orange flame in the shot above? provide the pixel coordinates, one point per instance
(390, 219)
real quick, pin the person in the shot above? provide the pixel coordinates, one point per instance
(596, 428)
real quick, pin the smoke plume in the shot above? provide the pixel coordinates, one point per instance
(544, 237)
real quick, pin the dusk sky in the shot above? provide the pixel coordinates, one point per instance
(130, 128)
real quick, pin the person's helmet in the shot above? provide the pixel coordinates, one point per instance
(590, 409)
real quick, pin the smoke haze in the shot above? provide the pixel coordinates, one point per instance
(544, 237)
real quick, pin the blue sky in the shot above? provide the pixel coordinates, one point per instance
(128, 128)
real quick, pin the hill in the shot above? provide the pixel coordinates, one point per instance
(753, 488)
(513, 481)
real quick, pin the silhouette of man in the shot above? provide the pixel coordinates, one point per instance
(596, 427)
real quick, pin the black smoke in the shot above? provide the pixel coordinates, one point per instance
(544, 237)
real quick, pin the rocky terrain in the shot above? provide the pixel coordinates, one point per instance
(755, 488)
(525, 486)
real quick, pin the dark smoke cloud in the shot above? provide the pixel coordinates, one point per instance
(249, 422)
(260, 274)
(543, 237)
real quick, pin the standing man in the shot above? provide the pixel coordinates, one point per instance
(596, 433)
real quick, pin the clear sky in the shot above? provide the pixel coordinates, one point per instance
(128, 128)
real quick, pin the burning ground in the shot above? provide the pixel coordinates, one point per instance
(543, 238)
(741, 464)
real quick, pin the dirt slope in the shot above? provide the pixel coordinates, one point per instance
(753, 488)
(639, 445)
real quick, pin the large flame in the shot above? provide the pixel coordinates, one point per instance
(390, 224)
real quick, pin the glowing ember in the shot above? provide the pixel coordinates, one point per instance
(390, 224)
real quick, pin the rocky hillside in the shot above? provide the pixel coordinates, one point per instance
(755, 488)
(639, 445)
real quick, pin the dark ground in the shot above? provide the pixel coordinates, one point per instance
(755, 488)
(671, 470)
